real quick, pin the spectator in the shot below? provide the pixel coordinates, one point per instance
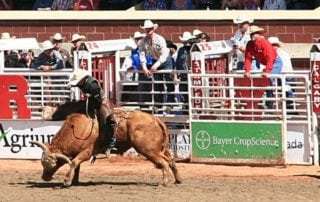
(274, 5)
(77, 41)
(47, 60)
(207, 4)
(299, 4)
(155, 5)
(231, 4)
(154, 46)
(60, 52)
(285, 57)
(262, 51)
(200, 36)
(42, 5)
(251, 4)
(240, 40)
(62, 5)
(182, 5)
(86, 4)
(6, 5)
(183, 63)
(25, 58)
(11, 58)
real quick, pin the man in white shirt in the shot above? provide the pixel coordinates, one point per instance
(154, 56)
(285, 57)
(240, 40)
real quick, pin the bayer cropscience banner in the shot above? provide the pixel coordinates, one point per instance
(15, 137)
(257, 143)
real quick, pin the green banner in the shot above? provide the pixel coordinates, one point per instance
(256, 141)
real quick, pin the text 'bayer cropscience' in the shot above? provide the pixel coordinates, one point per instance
(246, 142)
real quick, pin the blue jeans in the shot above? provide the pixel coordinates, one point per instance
(276, 69)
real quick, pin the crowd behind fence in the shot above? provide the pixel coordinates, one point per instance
(158, 4)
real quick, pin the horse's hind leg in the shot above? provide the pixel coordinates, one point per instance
(75, 179)
(172, 165)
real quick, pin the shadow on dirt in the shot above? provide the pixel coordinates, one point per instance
(37, 184)
(312, 176)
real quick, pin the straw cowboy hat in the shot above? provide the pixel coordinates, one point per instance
(138, 35)
(149, 24)
(197, 32)
(241, 20)
(6, 35)
(46, 45)
(275, 41)
(57, 37)
(255, 29)
(77, 76)
(77, 37)
(186, 36)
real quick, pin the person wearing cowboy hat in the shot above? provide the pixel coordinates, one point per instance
(132, 62)
(183, 63)
(262, 50)
(57, 40)
(77, 41)
(47, 60)
(240, 40)
(200, 36)
(286, 68)
(154, 56)
(90, 86)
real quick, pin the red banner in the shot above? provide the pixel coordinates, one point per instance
(315, 76)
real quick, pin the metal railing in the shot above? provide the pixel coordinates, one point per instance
(44, 88)
(282, 96)
(158, 94)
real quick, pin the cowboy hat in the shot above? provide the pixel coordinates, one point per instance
(275, 41)
(186, 36)
(5, 35)
(47, 45)
(57, 37)
(254, 29)
(138, 35)
(241, 20)
(197, 32)
(77, 76)
(149, 24)
(77, 37)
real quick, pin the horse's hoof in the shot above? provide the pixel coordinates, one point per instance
(178, 182)
(67, 183)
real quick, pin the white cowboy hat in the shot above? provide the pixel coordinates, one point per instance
(149, 24)
(137, 35)
(77, 76)
(77, 37)
(46, 45)
(241, 20)
(275, 40)
(57, 37)
(197, 32)
(5, 35)
(186, 36)
(254, 29)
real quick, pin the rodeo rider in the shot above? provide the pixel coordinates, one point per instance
(90, 86)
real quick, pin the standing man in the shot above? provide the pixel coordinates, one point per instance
(63, 54)
(240, 40)
(262, 50)
(153, 50)
(47, 60)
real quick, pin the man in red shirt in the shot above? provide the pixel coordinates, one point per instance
(261, 49)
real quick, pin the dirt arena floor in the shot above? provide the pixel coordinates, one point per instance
(123, 179)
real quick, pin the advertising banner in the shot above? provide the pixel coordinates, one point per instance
(15, 137)
(180, 143)
(237, 142)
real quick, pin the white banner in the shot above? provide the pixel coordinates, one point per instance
(180, 143)
(16, 135)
